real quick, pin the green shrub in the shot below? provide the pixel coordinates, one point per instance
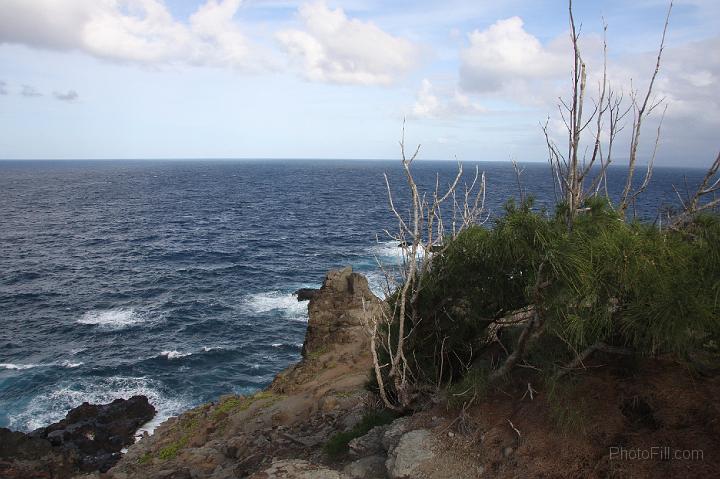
(603, 280)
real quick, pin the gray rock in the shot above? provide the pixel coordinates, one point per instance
(352, 419)
(392, 434)
(224, 472)
(368, 445)
(371, 467)
(297, 469)
(173, 474)
(414, 449)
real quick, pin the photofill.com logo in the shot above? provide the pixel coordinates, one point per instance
(658, 453)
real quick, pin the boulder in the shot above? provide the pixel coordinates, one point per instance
(370, 467)
(297, 469)
(369, 444)
(90, 438)
(99, 432)
(391, 435)
(413, 452)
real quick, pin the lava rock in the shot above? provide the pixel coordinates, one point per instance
(306, 294)
(90, 438)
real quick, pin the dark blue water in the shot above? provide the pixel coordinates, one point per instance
(175, 279)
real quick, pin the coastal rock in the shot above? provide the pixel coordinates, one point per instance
(297, 469)
(391, 435)
(306, 294)
(256, 435)
(371, 467)
(369, 444)
(337, 310)
(99, 432)
(90, 438)
(412, 453)
(23, 456)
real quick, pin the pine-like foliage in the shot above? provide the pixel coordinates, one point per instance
(604, 281)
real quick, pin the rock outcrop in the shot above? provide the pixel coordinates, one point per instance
(282, 432)
(297, 469)
(411, 454)
(306, 294)
(90, 438)
(278, 432)
(337, 311)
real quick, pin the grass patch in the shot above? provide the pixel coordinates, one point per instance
(242, 403)
(567, 414)
(229, 405)
(338, 444)
(188, 423)
(171, 451)
(473, 384)
(313, 355)
(144, 458)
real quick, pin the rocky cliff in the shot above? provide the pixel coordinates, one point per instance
(514, 431)
(306, 404)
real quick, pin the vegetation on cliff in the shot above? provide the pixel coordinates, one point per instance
(547, 290)
(606, 284)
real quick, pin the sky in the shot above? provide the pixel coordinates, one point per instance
(473, 80)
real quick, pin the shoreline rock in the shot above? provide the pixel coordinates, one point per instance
(282, 428)
(283, 431)
(336, 312)
(89, 438)
(306, 294)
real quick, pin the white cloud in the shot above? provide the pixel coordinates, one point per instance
(505, 53)
(334, 48)
(689, 80)
(142, 31)
(431, 104)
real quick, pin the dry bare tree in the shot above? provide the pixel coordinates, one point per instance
(573, 169)
(704, 199)
(422, 233)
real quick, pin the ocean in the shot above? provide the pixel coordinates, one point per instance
(174, 279)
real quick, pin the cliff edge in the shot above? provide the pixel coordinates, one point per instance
(293, 418)
(617, 409)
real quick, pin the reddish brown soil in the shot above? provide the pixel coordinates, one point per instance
(648, 406)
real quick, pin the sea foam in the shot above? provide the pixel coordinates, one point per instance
(387, 250)
(22, 367)
(71, 365)
(17, 366)
(51, 404)
(174, 354)
(112, 318)
(286, 303)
